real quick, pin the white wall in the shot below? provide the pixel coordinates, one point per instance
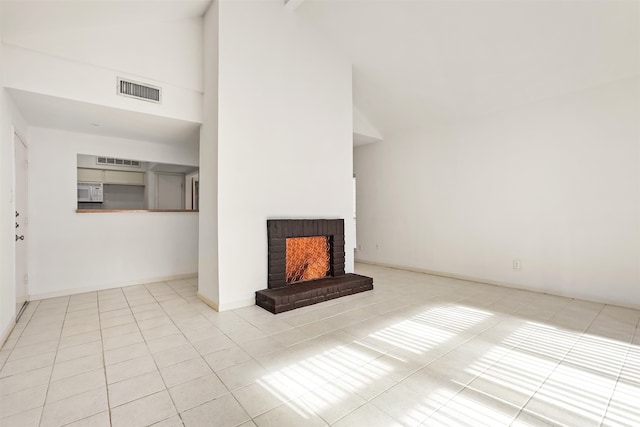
(72, 252)
(284, 140)
(555, 184)
(88, 83)
(208, 288)
(363, 131)
(83, 63)
(168, 52)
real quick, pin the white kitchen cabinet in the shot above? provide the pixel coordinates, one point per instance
(106, 176)
(123, 177)
(90, 175)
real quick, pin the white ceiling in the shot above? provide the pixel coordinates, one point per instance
(44, 16)
(415, 63)
(60, 113)
(418, 63)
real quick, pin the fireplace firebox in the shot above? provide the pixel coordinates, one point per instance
(306, 264)
(307, 258)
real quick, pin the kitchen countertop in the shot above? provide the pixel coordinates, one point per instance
(132, 210)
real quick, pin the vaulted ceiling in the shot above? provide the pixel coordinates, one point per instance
(20, 17)
(421, 63)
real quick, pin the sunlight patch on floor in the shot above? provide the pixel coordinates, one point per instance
(576, 391)
(532, 365)
(569, 373)
(340, 362)
(352, 370)
(463, 410)
(624, 408)
(427, 330)
(518, 372)
(599, 354)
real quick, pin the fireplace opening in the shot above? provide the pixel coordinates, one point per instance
(306, 264)
(307, 258)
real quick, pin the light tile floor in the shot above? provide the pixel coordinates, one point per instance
(418, 350)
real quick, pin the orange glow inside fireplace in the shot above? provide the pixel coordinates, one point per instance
(307, 258)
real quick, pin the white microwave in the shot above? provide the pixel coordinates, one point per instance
(90, 192)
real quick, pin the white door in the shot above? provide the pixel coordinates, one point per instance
(21, 220)
(170, 191)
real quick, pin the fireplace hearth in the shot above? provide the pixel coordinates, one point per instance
(306, 262)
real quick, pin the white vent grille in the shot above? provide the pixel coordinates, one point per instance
(111, 161)
(139, 91)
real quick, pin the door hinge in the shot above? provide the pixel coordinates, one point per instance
(26, 278)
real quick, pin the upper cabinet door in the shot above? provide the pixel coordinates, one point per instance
(123, 177)
(90, 175)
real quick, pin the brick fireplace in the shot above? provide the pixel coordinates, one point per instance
(306, 264)
(279, 231)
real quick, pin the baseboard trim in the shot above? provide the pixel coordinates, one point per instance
(208, 301)
(501, 284)
(7, 330)
(237, 304)
(74, 291)
(227, 306)
(442, 274)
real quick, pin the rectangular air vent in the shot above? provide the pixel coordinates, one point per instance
(139, 91)
(110, 161)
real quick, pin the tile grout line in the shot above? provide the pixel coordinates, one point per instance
(124, 295)
(563, 357)
(78, 374)
(53, 365)
(466, 386)
(252, 418)
(212, 370)
(556, 366)
(317, 386)
(422, 367)
(104, 363)
(151, 353)
(12, 349)
(636, 332)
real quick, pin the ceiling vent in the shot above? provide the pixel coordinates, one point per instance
(139, 91)
(110, 161)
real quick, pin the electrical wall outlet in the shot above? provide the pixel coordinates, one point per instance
(517, 264)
